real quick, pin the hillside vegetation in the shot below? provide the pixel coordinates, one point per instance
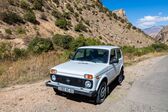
(22, 20)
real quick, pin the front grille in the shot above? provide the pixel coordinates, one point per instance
(71, 81)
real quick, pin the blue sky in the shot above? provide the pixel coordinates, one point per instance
(142, 13)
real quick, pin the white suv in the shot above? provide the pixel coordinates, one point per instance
(89, 72)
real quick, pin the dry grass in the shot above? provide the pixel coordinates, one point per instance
(28, 70)
(36, 68)
(130, 60)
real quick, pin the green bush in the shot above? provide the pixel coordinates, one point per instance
(159, 47)
(39, 45)
(20, 30)
(5, 50)
(19, 53)
(30, 16)
(63, 41)
(56, 1)
(66, 15)
(24, 4)
(80, 27)
(11, 18)
(38, 4)
(62, 23)
(8, 31)
(57, 14)
(69, 7)
(81, 41)
(129, 25)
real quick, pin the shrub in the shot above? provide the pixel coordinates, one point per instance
(69, 7)
(160, 47)
(44, 17)
(5, 50)
(18, 53)
(134, 28)
(57, 14)
(38, 4)
(30, 16)
(62, 23)
(39, 45)
(66, 15)
(62, 41)
(114, 15)
(11, 18)
(24, 4)
(76, 14)
(80, 27)
(8, 31)
(20, 30)
(81, 41)
(129, 25)
(87, 22)
(56, 1)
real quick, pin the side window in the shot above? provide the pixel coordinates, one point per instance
(112, 54)
(118, 54)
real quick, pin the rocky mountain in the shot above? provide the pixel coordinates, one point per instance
(22, 20)
(163, 35)
(153, 31)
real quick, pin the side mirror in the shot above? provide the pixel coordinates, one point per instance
(115, 60)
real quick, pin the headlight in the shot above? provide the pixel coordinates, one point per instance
(53, 78)
(53, 71)
(88, 84)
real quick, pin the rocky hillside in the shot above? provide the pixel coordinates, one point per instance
(21, 20)
(153, 31)
(163, 35)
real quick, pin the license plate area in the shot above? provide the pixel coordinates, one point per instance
(65, 89)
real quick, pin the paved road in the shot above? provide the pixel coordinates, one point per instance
(149, 93)
(153, 89)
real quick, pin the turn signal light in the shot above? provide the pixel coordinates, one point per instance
(53, 71)
(88, 76)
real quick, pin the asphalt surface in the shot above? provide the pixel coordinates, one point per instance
(150, 92)
(153, 88)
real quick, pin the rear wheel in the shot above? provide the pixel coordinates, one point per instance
(101, 94)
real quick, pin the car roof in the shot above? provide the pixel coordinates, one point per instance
(99, 47)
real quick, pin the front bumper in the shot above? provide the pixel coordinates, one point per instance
(76, 91)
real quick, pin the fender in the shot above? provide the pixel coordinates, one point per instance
(100, 80)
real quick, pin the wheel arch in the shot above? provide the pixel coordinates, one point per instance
(101, 80)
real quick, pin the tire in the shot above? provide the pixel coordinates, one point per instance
(56, 91)
(101, 93)
(120, 77)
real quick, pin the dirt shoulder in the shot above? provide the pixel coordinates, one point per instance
(39, 98)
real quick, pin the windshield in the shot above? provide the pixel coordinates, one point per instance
(92, 55)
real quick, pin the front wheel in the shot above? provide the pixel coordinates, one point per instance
(120, 77)
(56, 91)
(101, 94)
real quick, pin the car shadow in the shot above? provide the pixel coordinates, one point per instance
(85, 99)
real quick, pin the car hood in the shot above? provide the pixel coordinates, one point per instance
(80, 68)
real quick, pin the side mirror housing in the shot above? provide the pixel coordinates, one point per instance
(115, 60)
